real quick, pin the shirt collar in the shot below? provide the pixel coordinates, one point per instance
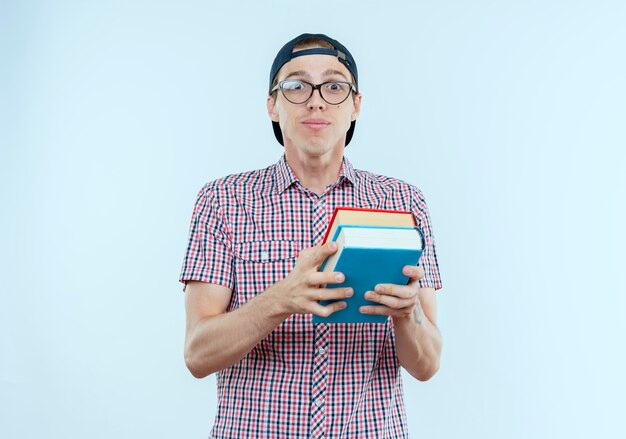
(347, 171)
(285, 177)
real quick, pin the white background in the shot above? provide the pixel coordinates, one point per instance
(510, 116)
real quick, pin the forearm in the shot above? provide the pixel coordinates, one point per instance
(216, 339)
(418, 344)
(219, 341)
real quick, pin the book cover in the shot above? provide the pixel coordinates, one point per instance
(367, 256)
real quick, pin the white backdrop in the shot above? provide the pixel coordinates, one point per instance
(508, 115)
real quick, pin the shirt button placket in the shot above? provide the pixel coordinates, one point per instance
(322, 335)
(319, 381)
(318, 220)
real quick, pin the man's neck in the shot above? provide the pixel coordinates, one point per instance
(315, 173)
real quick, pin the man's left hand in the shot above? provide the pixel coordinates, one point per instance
(396, 300)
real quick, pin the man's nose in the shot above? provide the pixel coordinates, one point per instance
(316, 101)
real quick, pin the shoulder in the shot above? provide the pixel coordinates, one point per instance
(255, 181)
(393, 193)
(385, 183)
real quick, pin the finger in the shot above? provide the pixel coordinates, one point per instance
(390, 301)
(386, 311)
(326, 310)
(400, 291)
(314, 256)
(318, 294)
(326, 250)
(414, 272)
(322, 278)
(378, 310)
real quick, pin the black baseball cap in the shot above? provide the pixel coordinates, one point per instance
(286, 54)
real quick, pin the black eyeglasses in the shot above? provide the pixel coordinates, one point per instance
(297, 91)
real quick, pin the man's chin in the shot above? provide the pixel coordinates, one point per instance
(318, 145)
(318, 149)
(310, 146)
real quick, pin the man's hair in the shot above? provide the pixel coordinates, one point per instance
(309, 43)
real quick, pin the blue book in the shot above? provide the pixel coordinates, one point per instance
(367, 256)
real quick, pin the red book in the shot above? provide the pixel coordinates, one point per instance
(367, 217)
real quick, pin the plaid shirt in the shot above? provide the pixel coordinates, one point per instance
(301, 381)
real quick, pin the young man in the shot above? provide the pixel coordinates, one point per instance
(252, 280)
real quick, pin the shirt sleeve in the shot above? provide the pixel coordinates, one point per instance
(428, 260)
(209, 250)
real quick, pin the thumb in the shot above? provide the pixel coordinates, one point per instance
(324, 251)
(314, 256)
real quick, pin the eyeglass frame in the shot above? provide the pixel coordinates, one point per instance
(314, 87)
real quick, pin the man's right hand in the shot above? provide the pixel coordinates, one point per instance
(301, 291)
(217, 338)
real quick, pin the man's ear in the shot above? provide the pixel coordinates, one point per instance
(357, 107)
(271, 109)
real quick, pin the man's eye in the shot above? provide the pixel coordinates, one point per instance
(334, 86)
(293, 85)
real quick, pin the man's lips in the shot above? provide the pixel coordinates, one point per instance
(315, 124)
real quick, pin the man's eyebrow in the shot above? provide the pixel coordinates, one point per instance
(331, 72)
(304, 74)
(298, 73)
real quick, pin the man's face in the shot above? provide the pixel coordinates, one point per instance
(315, 127)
